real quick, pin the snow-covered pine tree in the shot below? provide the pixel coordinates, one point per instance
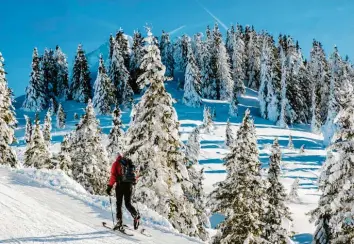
(37, 153)
(76, 116)
(61, 116)
(137, 54)
(284, 73)
(336, 202)
(62, 79)
(198, 49)
(302, 149)
(193, 148)
(274, 87)
(49, 73)
(266, 75)
(153, 143)
(118, 72)
(89, 157)
(80, 88)
(276, 210)
(166, 49)
(37, 97)
(253, 55)
(151, 65)
(181, 54)
(105, 93)
(322, 214)
(207, 70)
(294, 194)
(28, 130)
(243, 185)
(7, 121)
(192, 93)
(230, 138)
(336, 66)
(207, 120)
(65, 163)
(111, 45)
(290, 143)
(47, 128)
(221, 67)
(122, 41)
(238, 48)
(116, 135)
(229, 42)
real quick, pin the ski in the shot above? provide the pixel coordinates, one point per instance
(123, 231)
(142, 231)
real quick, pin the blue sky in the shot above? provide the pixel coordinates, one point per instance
(45, 23)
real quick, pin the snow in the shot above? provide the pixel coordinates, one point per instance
(40, 206)
(60, 203)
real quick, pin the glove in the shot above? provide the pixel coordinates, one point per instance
(109, 190)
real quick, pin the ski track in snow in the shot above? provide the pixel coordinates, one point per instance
(305, 166)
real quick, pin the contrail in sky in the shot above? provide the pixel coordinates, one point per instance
(213, 16)
(176, 30)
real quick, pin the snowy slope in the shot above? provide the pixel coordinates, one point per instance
(304, 166)
(34, 213)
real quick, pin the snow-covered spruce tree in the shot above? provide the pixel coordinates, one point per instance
(302, 149)
(193, 147)
(76, 116)
(196, 194)
(290, 143)
(253, 55)
(37, 97)
(137, 54)
(240, 198)
(339, 190)
(122, 41)
(180, 51)
(266, 75)
(89, 157)
(294, 194)
(65, 163)
(49, 73)
(105, 93)
(283, 101)
(28, 130)
(111, 45)
(221, 67)
(62, 79)
(230, 138)
(207, 71)
(197, 46)
(237, 70)
(276, 210)
(207, 120)
(80, 88)
(118, 72)
(166, 49)
(229, 42)
(336, 66)
(153, 143)
(37, 153)
(274, 87)
(191, 96)
(7, 121)
(151, 65)
(116, 135)
(47, 128)
(61, 116)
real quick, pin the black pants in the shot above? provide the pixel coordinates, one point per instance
(124, 189)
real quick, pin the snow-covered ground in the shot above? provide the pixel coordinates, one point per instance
(57, 210)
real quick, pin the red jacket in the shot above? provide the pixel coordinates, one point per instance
(116, 171)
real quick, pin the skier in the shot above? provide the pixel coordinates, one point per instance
(123, 173)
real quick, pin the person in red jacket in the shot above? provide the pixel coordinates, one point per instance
(123, 174)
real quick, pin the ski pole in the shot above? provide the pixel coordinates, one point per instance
(110, 201)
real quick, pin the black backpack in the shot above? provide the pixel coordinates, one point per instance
(128, 171)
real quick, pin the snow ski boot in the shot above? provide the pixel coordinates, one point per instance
(136, 222)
